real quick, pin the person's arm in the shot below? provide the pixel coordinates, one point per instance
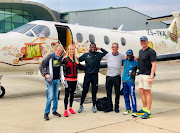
(43, 67)
(135, 69)
(80, 67)
(82, 58)
(153, 69)
(105, 57)
(153, 60)
(104, 52)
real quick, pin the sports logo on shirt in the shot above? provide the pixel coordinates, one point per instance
(56, 63)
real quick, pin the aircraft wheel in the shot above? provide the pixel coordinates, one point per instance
(2, 91)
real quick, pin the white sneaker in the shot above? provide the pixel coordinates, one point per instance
(134, 114)
(127, 112)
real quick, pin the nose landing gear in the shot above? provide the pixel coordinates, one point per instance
(2, 89)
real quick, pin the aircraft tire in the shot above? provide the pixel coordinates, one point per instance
(2, 92)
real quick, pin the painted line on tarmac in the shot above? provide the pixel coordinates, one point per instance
(24, 95)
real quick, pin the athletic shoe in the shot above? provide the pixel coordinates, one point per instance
(46, 117)
(146, 115)
(71, 111)
(116, 109)
(134, 114)
(127, 112)
(56, 114)
(81, 108)
(66, 113)
(93, 109)
(141, 112)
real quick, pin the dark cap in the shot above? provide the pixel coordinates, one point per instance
(143, 38)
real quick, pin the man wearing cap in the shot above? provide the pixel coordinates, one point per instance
(113, 78)
(147, 67)
(130, 67)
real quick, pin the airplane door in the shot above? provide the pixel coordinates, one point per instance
(64, 35)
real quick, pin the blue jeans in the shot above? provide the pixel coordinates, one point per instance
(52, 95)
(129, 89)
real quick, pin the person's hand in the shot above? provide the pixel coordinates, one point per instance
(125, 58)
(98, 48)
(136, 58)
(64, 54)
(150, 80)
(132, 74)
(47, 76)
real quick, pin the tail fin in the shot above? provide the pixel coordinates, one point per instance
(174, 28)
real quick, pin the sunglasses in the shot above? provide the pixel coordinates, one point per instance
(114, 47)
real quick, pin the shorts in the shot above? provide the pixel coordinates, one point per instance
(143, 82)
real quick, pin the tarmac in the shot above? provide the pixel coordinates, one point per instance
(22, 108)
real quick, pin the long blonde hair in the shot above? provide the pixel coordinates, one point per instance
(74, 56)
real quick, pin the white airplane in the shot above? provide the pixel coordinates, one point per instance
(23, 49)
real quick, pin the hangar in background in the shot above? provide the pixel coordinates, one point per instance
(113, 18)
(14, 13)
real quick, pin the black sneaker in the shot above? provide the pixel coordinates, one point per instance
(56, 114)
(116, 109)
(46, 117)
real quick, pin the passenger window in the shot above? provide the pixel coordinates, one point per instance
(79, 37)
(91, 38)
(106, 40)
(123, 41)
(41, 31)
(30, 34)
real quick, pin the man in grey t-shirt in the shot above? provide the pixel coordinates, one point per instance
(113, 78)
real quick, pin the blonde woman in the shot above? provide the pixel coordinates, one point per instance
(71, 65)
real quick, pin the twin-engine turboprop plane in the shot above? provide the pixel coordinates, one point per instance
(23, 49)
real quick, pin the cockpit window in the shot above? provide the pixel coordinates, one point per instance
(30, 34)
(41, 31)
(23, 29)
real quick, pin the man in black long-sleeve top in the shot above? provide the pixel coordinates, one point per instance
(92, 60)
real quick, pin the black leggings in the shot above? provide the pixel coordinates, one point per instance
(71, 89)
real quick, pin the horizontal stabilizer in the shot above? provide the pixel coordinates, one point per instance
(163, 18)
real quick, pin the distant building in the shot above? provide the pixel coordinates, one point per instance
(112, 18)
(14, 13)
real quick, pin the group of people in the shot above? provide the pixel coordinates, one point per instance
(146, 63)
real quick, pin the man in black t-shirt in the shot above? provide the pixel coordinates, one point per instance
(147, 67)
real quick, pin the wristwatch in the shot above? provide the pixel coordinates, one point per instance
(151, 76)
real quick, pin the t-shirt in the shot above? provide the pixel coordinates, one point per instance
(56, 69)
(114, 63)
(145, 58)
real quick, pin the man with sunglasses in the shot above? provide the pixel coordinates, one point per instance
(113, 78)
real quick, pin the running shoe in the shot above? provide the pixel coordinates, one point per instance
(141, 112)
(127, 112)
(66, 113)
(134, 114)
(93, 109)
(56, 114)
(71, 111)
(46, 117)
(81, 108)
(146, 115)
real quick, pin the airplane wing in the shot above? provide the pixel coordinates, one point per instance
(168, 57)
(163, 18)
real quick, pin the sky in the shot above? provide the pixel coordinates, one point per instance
(152, 8)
